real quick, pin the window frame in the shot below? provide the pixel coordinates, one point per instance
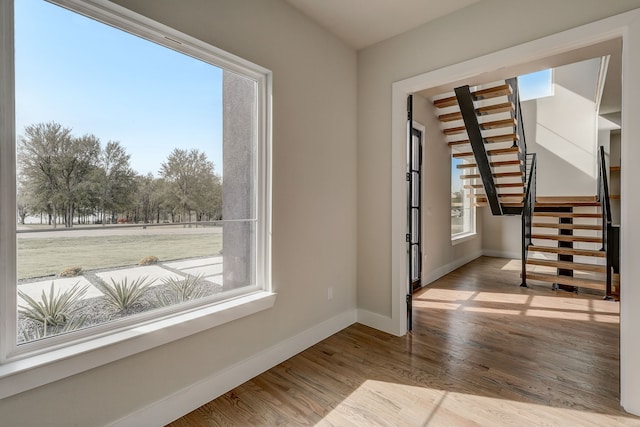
(34, 364)
(463, 236)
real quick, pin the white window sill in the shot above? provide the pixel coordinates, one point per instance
(29, 372)
(461, 238)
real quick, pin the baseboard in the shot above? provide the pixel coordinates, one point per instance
(502, 254)
(192, 397)
(377, 321)
(448, 268)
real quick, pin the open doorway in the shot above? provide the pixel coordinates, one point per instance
(516, 61)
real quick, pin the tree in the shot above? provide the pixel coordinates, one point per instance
(22, 204)
(76, 164)
(192, 182)
(57, 170)
(115, 178)
(38, 152)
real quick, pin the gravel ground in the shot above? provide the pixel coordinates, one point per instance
(95, 311)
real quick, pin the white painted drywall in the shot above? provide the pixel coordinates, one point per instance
(562, 130)
(314, 214)
(630, 231)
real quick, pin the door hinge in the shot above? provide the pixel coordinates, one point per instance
(409, 176)
(407, 238)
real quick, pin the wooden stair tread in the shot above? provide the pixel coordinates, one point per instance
(567, 251)
(480, 111)
(508, 137)
(502, 107)
(614, 196)
(492, 92)
(563, 238)
(567, 226)
(568, 280)
(566, 205)
(568, 214)
(454, 130)
(567, 265)
(566, 199)
(492, 164)
(494, 152)
(495, 175)
(498, 124)
(614, 168)
(498, 185)
(505, 200)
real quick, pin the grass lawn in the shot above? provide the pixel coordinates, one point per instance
(48, 256)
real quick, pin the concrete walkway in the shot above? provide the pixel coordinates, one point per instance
(209, 268)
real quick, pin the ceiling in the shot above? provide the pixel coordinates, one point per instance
(611, 101)
(362, 23)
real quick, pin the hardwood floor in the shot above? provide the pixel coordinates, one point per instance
(483, 352)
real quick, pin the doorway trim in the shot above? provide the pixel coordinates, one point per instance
(625, 26)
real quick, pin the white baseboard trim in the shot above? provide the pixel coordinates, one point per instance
(448, 268)
(377, 321)
(502, 254)
(192, 397)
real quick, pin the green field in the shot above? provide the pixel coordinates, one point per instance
(47, 256)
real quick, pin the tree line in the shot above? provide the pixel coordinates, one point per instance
(68, 179)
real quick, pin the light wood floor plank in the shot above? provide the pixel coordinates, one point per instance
(484, 352)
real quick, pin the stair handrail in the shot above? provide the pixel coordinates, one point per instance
(607, 222)
(528, 208)
(520, 141)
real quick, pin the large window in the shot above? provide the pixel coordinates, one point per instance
(136, 166)
(463, 211)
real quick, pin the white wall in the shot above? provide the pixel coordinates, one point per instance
(502, 235)
(314, 216)
(562, 131)
(630, 231)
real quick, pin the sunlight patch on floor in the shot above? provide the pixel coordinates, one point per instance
(446, 295)
(501, 303)
(512, 265)
(377, 403)
(501, 297)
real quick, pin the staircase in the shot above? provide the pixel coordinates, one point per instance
(481, 127)
(568, 240)
(567, 243)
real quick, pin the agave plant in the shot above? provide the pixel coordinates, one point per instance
(123, 294)
(181, 290)
(54, 309)
(72, 323)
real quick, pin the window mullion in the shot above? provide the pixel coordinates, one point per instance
(8, 304)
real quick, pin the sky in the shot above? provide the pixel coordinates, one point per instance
(98, 80)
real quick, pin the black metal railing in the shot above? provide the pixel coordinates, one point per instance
(607, 227)
(529, 204)
(520, 141)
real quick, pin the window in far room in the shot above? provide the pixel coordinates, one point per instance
(463, 212)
